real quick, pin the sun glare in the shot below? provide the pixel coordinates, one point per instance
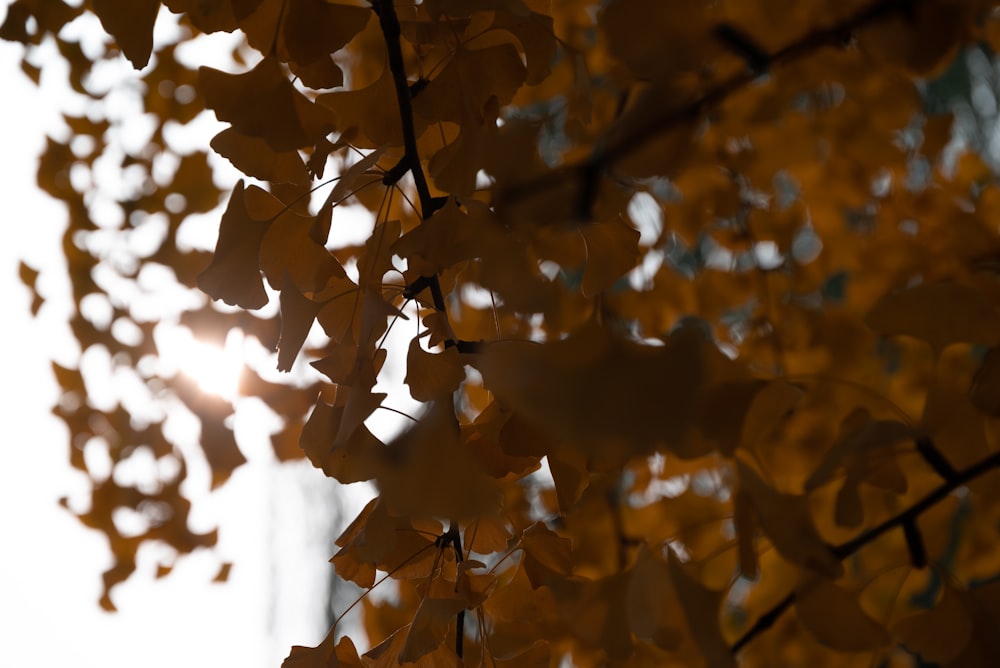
(216, 369)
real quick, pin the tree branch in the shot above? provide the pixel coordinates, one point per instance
(905, 520)
(389, 23)
(605, 157)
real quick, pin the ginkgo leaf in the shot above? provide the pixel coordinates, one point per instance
(596, 612)
(538, 655)
(217, 440)
(288, 251)
(701, 608)
(234, 274)
(546, 554)
(938, 313)
(957, 427)
(325, 655)
(941, 633)
(787, 521)
(570, 476)
(224, 569)
(849, 511)
(654, 38)
(453, 235)
(352, 459)
(534, 31)
(339, 363)
(986, 384)
(311, 30)
(29, 277)
(456, 166)
(130, 22)
(834, 616)
(610, 395)
(772, 403)
(352, 177)
(377, 257)
(921, 40)
(654, 609)
(472, 76)
(745, 521)
(612, 250)
(861, 440)
(435, 613)
(263, 103)
(297, 316)
(372, 113)
(387, 653)
(430, 473)
(255, 157)
(432, 376)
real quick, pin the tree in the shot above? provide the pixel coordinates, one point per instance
(703, 299)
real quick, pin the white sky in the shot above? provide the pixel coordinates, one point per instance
(50, 565)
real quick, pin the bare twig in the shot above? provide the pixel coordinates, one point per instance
(906, 518)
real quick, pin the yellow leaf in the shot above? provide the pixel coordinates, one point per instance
(941, 633)
(938, 313)
(834, 616)
(130, 22)
(608, 395)
(353, 459)
(255, 157)
(234, 274)
(612, 250)
(787, 521)
(654, 610)
(432, 376)
(701, 608)
(263, 103)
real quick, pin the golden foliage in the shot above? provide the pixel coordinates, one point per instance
(739, 354)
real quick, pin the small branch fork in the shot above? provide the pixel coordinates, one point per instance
(906, 520)
(389, 23)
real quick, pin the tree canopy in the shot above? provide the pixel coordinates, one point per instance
(702, 299)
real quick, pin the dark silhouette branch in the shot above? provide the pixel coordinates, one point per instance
(934, 458)
(391, 32)
(604, 157)
(905, 520)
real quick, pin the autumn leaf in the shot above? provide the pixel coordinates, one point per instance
(610, 395)
(834, 616)
(131, 24)
(432, 376)
(786, 520)
(938, 313)
(255, 157)
(430, 472)
(351, 459)
(939, 634)
(234, 274)
(29, 278)
(612, 249)
(701, 608)
(660, 274)
(263, 103)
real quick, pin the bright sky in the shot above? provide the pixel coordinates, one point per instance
(271, 518)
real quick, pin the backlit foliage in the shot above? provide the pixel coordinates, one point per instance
(703, 298)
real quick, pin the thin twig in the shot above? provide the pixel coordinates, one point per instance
(849, 548)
